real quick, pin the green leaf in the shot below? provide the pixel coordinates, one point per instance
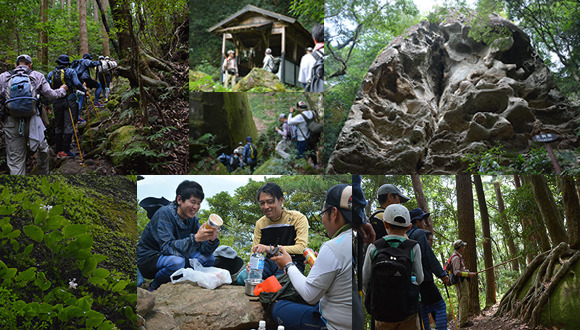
(94, 318)
(10, 273)
(119, 286)
(34, 232)
(74, 230)
(85, 241)
(89, 266)
(97, 281)
(28, 249)
(55, 211)
(7, 210)
(129, 313)
(7, 228)
(15, 244)
(73, 311)
(42, 282)
(45, 187)
(18, 197)
(40, 216)
(13, 234)
(55, 222)
(52, 239)
(107, 325)
(83, 254)
(27, 275)
(85, 303)
(101, 272)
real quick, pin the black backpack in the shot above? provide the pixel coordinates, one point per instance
(314, 127)
(276, 65)
(378, 225)
(77, 66)
(449, 269)
(58, 79)
(316, 83)
(391, 297)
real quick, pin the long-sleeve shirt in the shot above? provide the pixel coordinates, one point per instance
(459, 265)
(306, 64)
(86, 63)
(167, 234)
(286, 131)
(430, 263)
(268, 63)
(302, 132)
(230, 64)
(38, 81)
(70, 79)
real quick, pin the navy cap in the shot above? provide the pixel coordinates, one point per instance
(63, 59)
(418, 214)
(340, 196)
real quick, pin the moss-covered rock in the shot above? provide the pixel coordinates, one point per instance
(127, 147)
(259, 80)
(200, 82)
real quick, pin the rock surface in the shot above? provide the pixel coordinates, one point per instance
(267, 81)
(435, 94)
(188, 306)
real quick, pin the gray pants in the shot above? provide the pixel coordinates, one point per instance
(16, 148)
(282, 148)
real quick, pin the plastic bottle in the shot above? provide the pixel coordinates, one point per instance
(256, 267)
(414, 280)
(262, 325)
(280, 327)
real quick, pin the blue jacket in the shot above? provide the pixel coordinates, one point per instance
(430, 263)
(85, 65)
(247, 153)
(71, 80)
(167, 234)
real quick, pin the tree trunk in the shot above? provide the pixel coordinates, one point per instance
(571, 210)
(421, 200)
(503, 222)
(527, 228)
(83, 33)
(466, 229)
(43, 34)
(95, 11)
(106, 49)
(490, 298)
(536, 220)
(549, 210)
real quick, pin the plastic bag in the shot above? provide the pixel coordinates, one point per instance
(206, 277)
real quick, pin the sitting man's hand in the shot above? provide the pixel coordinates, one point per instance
(204, 234)
(261, 248)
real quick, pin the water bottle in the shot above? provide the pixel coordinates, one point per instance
(414, 280)
(280, 327)
(256, 267)
(262, 325)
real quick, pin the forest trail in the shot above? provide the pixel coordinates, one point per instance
(486, 321)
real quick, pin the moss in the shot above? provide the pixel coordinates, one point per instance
(562, 308)
(121, 141)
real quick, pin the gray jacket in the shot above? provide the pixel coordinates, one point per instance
(38, 80)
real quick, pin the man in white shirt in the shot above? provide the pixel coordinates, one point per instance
(302, 132)
(306, 64)
(268, 61)
(329, 283)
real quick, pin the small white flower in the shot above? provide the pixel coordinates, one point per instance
(72, 284)
(46, 207)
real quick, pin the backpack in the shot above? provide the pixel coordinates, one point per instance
(449, 269)
(253, 152)
(21, 97)
(276, 65)
(314, 127)
(391, 297)
(57, 80)
(288, 292)
(79, 68)
(316, 83)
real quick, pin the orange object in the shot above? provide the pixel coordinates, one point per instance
(310, 256)
(214, 221)
(270, 284)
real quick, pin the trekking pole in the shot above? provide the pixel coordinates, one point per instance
(94, 107)
(75, 131)
(89, 122)
(503, 263)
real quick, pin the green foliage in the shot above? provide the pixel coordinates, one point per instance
(314, 9)
(206, 158)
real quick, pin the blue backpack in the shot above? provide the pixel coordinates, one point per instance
(21, 97)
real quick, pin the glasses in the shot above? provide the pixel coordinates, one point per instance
(324, 211)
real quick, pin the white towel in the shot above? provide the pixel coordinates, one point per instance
(35, 132)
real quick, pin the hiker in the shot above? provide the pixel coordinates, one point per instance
(303, 133)
(240, 152)
(462, 286)
(387, 195)
(103, 73)
(268, 61)
(329, 283)
(388, 270)
(230, 68)
(250, 155)
(174, 235)
(65, 108)
(316, 81)
(306, 64)
(21, 115)
(85, 75)
(279, 226)
(431, 299)
(287, 133)
(429, 236)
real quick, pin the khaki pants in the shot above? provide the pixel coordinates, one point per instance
(462, 289)
(282, 148)
(16, 148)
(410, 323)
(229, 77)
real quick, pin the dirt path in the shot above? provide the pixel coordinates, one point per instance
(486, 321)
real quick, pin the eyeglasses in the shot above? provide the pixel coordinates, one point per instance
(324, 211)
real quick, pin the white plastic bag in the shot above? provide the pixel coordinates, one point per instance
(206, 277)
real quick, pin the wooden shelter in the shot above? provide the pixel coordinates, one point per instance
(253, 29)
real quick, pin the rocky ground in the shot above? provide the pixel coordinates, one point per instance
(486, 321)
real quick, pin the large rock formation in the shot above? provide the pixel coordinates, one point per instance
(188, 306)
(259, 78)
(436, 94)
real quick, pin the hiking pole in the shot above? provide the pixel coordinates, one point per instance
(75, 131)
(449, 297)
(89, 122)
(94, 107)
(503, 263)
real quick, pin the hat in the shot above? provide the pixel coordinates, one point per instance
(106, 57)
(398, 215)
(268, 51)
(340, 196)
(302, 105)
(390, 189)
(63, 59)
(230, 52)
(458, 244)
(240, 143)
(101, 57)
(24, 58)
(418, 214)
(309, 49)
(282, 115)
(88, 56)
(249, 139)
(225, 251)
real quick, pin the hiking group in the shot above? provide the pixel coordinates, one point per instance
(301, 130)
(242, 156)
(23, 91)
(396, 275)
(174, 238)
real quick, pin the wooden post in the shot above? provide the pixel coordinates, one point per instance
(282, 64)
(222, 58)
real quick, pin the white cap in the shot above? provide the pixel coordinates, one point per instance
(398, 215)
(262, 324)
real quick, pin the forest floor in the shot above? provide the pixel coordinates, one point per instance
(486, 321)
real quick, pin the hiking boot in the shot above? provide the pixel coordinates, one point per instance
(70, 154)
(61, 155)
(467, 324)
(82, 121)
(99, 105)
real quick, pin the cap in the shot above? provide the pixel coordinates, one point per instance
(309, 49)
(240, 143)
(398, 215)
(230, 52)
(340, 196)
(282, 115)
(268, 50)
(418, 214)
(24, 58)
(63, 59)
(302, 105)
(225, 251)
(106, 57)
(101, 57)
(249, 139)
(459, 243)
(390, 189)
(88, 56)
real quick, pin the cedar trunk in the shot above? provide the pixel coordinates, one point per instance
(83, 34)
(421, 200)
(466, 228)
(43, 34)
(490, 297)
(504, 224)
(571, 210)
(549, 210)
(106, 49)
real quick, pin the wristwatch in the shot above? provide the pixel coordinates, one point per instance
(288, 265)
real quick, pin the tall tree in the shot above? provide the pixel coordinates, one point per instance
(504, 224)
(490, 297)
(466, 228)
(83, 33)
(106, 49)
(549, 210)
(536, 220)
(421, 200)
(43, 33)
(572, 210)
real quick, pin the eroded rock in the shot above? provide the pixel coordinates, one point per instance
(267, 81)
(436, 94)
